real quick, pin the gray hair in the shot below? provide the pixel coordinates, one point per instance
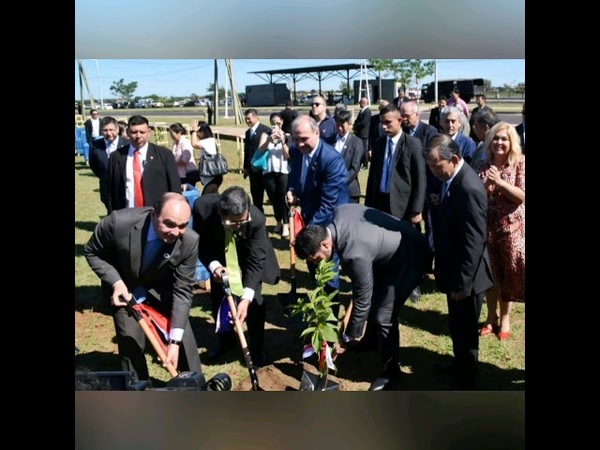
(233, 202)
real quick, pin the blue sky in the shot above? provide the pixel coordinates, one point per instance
(182, 77)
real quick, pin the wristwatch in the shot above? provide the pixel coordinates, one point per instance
(173, 341)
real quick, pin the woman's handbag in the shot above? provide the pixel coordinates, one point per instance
(212, 165)
(260, 160)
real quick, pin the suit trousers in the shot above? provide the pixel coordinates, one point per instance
(463, 317)
(391, 289)
(131, 342)
(255, 320)
(257, 189)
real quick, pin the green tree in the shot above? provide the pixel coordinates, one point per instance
(211, 91)
(122, 89)
(419, 69)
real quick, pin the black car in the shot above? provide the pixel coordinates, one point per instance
(194, 103)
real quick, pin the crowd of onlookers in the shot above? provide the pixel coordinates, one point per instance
(445, 197)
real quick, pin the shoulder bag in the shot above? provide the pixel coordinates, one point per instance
(212, 165)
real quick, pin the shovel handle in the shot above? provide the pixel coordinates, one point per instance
(240, 332)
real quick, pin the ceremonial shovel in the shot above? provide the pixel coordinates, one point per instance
(240, 332)
(156, 344)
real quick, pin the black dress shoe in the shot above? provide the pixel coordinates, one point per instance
(415, 295)
(386, 380)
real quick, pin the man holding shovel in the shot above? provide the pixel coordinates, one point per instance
(150, 252)
(234, 241)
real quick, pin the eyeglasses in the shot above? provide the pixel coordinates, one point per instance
(234, 223)
(317, 104)
(407, 116)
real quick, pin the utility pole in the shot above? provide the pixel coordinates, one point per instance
(87, 85)
(436, 82)
(237, 107)
(99, 87)
(364, 77)
(216, 94)
(226, 82)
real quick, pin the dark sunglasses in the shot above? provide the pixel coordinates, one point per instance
(317, 104)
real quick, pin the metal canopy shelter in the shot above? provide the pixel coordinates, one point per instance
(318, 73)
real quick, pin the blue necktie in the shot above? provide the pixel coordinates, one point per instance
(387, 172)
(150, 251)
(304, 173)
(445, 187)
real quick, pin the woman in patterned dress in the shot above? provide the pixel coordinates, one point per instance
(503, 173)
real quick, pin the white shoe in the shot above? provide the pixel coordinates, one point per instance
(286, 231)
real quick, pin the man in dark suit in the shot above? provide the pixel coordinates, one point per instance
(462, 265)
(351, 148)
(215, 215)
(361, 128)
(318, 175)
(397, 181)
(251, 142)
(101, 149)
(451, 124)
(159, 169)
(92, 127)
(318, 181)
(288, 114)
(375, 129)
(119, 253)
(435, 114)
(400, 99)
(384, 258)
(413, 126)
(482, 106)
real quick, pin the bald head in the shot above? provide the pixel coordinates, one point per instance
(171, 216)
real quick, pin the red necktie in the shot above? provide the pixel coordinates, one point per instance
(137, 180)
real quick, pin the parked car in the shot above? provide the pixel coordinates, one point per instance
(195, 103)
(158, 105)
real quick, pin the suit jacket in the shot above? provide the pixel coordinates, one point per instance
(114, 252)
(352, 153)
(88, 130)
(362, 123)
(520, 130)
(251, 143)
(256, 256)
(462, 262)
(434, 119)
(375, 247)
(373, 131)
(408, 181)
(424, 132)
(325, 186)
(160, 176)
(467, 146)
(99, 163)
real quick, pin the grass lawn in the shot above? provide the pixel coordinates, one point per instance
(424, 331)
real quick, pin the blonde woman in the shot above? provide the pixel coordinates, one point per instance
(503, 174)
